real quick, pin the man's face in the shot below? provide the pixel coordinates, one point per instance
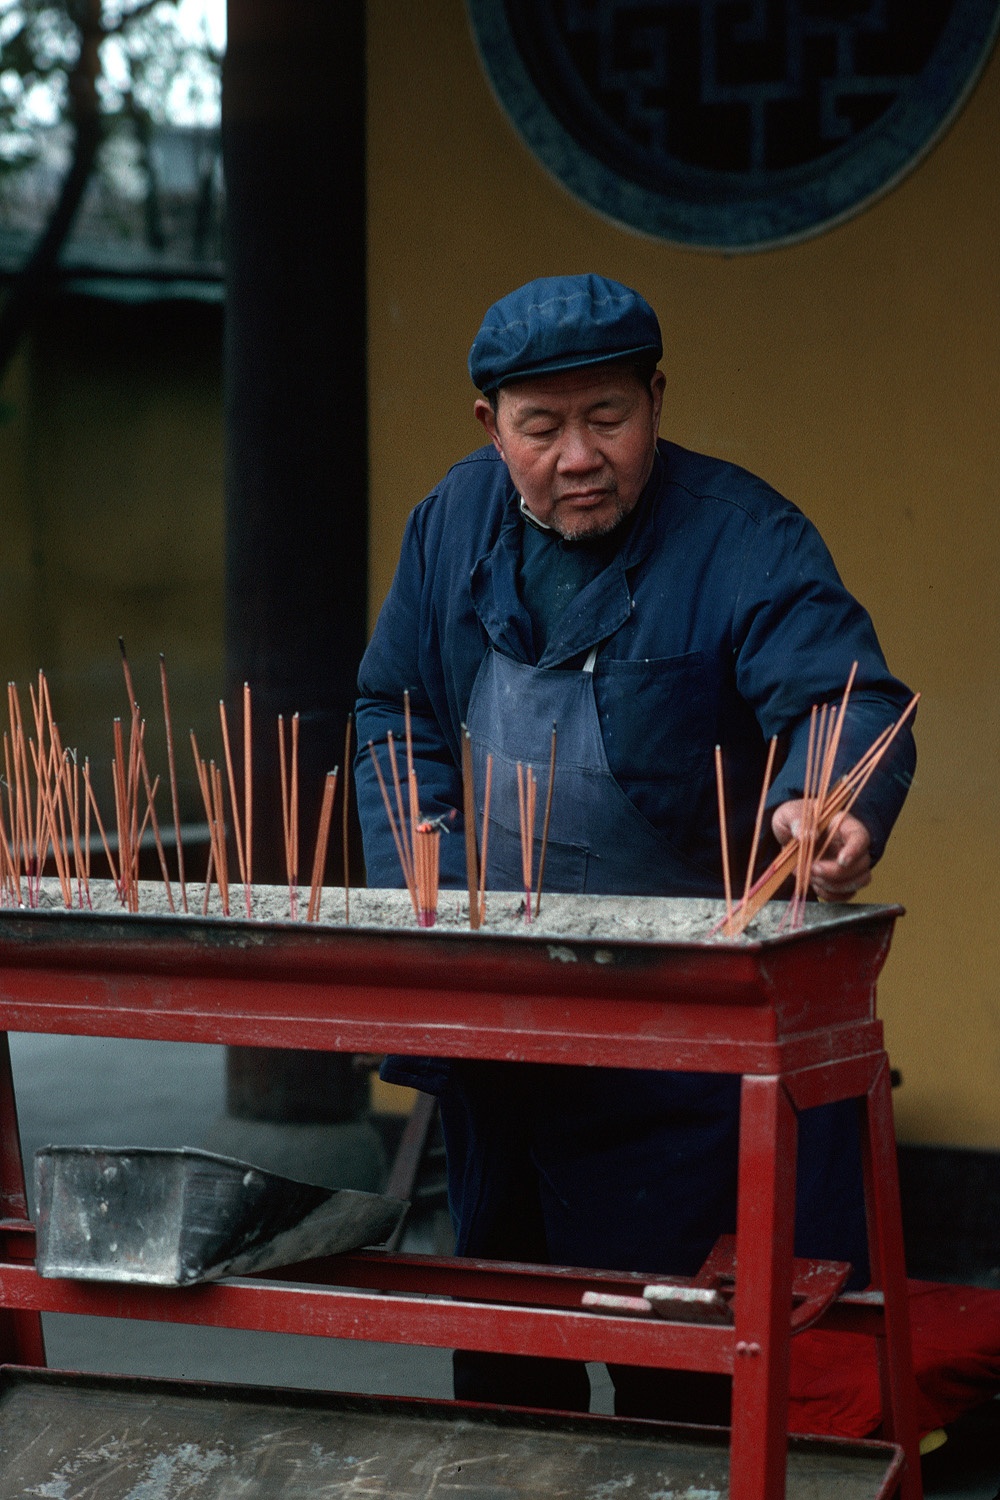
(579, 444)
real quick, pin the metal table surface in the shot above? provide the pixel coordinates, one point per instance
(794, 1014)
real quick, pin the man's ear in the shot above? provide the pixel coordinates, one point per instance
(656, 389)
(484, 413)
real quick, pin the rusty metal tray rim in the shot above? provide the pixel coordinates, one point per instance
(427, 1408)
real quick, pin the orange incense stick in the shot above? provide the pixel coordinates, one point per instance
(79, 839)
(121, 816)
(723, 833)
(759, 820)
(221, 861)
(485, 839)
(345, 818)
(426, 859)
(26, 827)
(234, 804)
(201, 770)
(838, 803)
(172, 768)
(11, 850)
(803, 836)
(92, 802)
(294, 814)
(149, 808)
(15, 815)
(286, 812)
(404, 824)
(411, 775)
(469, 815)
(8, 878)
(521, 819)
(407, 876)
(861, 777)
(248, 791)
(86, 843)
(545, 825)
(526, 787)
(319, 855)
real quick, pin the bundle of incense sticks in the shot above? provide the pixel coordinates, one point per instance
(527, 789)
(823, 811)
(44, 817)
(49, 805)
(527, 799)
(426, 863)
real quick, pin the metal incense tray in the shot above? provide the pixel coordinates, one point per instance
(178, 1217)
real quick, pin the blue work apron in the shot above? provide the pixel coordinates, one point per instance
(618, 1168)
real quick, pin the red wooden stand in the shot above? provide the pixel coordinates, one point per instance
(795, 1016)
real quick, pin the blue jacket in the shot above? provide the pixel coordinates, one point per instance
(720, 620)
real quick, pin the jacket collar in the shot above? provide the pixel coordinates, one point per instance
(600, 608)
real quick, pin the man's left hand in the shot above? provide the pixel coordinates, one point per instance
(846, 866)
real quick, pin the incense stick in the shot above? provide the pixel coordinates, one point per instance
(201, 770)
(92, 802)
(406, 843)
(143, 768)
(469, 813)
(234, 804)
(293, 821)
(248, 793)
(221, 858)
(411, 775)
(485, 839)
(865, 776)
(759, 820)
(426, 858)
(802, 835)
(286, 812)
(319, 855)
(723, 833)
(545, 825)
(838, 804)
(395, 833)
(526, 789)
(172, 768)
(345, 818)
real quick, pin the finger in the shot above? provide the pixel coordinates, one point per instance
(787, 821)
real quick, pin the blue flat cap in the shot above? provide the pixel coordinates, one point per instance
(561, 323)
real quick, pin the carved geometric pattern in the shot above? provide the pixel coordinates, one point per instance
(782, 113)
(741, 87)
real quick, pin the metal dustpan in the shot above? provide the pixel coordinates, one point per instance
(174, 1218)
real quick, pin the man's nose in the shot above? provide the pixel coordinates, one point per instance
(578, 453)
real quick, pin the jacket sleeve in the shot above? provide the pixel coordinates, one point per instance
(391, 666)
(799, 631)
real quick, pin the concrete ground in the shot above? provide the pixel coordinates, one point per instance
(99, 1091)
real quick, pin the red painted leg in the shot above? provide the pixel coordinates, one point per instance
(885, 1236)
(765, 1232)
(20, 1332)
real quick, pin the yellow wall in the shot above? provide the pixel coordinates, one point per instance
(858, 373)
(111, 508)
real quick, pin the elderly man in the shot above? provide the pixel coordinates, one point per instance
(652, 602)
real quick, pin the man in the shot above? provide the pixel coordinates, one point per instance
(653, 603)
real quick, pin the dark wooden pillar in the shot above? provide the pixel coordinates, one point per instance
(296, 439)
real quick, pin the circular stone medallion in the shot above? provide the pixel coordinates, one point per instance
(732, 124)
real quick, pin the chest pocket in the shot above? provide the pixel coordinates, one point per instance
(656, 717)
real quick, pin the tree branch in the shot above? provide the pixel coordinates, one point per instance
(34, 279)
